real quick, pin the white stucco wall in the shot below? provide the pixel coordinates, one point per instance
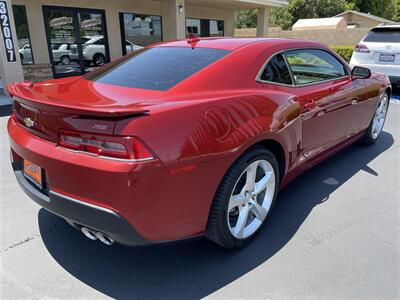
(112, 10)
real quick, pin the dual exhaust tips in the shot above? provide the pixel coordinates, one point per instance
(94, 235)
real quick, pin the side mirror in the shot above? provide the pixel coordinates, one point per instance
(360, 73)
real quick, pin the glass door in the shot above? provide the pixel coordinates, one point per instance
(93, 38)
(76, 39)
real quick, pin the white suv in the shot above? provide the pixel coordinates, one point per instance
(380, 52)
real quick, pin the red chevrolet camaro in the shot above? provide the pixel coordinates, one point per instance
(188, 138)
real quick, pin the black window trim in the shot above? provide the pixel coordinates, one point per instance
(294, 85)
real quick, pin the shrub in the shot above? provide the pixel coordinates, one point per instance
(344, 51)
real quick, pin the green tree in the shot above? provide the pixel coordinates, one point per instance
(247, 18)
(304, 9)
(397, 18)
(388, 9)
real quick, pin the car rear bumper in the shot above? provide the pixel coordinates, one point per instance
(79, 213)
(143, 202)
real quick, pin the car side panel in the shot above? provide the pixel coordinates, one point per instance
(198, 154)
(375, 85)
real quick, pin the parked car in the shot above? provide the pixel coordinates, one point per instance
(379, 51)
(188, 138)
(25, 54)
(131, 47)
(62, 53)
(94, 50)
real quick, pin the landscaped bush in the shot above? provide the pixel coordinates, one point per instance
(344, 51)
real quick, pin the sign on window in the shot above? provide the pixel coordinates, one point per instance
(6, 32)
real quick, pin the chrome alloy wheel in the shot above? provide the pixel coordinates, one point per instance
(251, 199)
(380, 116)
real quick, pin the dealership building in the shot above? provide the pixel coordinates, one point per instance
(44, 39)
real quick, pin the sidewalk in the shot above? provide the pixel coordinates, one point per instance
(5, 100)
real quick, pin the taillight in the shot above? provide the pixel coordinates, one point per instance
(362, 49)
(129, 148)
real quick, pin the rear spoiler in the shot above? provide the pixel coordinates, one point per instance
(82, 111)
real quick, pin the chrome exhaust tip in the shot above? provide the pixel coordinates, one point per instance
(90, 234)
(104, 238)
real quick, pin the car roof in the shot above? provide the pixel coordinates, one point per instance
(235, 43)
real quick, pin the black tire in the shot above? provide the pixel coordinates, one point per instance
(217, 228)
(65, 60)
(99, 60)
(368, 138)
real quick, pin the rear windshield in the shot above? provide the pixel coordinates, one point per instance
(157, 68)
(383, 35)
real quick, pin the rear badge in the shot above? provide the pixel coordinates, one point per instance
(100, 127)
(29, 122)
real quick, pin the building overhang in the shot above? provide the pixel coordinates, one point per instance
(237, 4)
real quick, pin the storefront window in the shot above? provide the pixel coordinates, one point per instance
(216, 28)
(63, 44)
(22, 28)
(139, 30)
(91, 27)
(204, 27)
(193, 27)
(77, 40)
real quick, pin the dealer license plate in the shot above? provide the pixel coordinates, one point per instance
(33, 173)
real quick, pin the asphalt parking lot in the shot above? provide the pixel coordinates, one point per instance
(334, 234)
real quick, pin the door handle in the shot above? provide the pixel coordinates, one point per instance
(312, 105)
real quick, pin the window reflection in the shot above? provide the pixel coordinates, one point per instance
(22, 29)
(193, 27)
(204, 27)
(64, 49)
(139, 31)
(77, 40)
(92, 37)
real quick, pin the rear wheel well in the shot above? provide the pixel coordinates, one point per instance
(277, 149)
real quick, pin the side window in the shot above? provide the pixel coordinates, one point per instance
(277, 71)
(99, 42)
(310, 66)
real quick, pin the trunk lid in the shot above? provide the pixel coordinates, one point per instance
(80, 96)
(76, 104)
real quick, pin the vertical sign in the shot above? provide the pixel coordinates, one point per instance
(6, 32)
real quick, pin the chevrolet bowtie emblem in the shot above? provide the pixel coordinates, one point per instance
(29, 122)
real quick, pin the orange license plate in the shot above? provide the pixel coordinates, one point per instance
(33, 173)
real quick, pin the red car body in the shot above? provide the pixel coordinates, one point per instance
(195, 131)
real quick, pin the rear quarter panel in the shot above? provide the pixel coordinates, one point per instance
(198, 141)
